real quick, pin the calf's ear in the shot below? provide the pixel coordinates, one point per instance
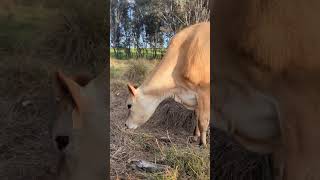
(69, 86)
(132, 89)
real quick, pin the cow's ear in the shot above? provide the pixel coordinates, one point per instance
(69, 86)
(132, 89)
(82, 79)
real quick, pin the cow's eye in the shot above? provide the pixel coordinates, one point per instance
(129, 106)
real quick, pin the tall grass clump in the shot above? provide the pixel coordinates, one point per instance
(137, 71)
(79, 34)
(189, 162)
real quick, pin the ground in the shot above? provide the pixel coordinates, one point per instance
(164, 139)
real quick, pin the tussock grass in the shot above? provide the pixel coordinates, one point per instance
(137, 71)
(133, 71)
(78, 34)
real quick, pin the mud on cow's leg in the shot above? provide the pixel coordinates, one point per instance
(203, 116)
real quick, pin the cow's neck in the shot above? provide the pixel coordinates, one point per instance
(161, 79)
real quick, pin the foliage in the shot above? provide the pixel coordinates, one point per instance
(149, 24)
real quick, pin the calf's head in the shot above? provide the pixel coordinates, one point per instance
(141, 107)
(72, 102)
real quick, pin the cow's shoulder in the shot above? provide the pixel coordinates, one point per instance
(195, 58)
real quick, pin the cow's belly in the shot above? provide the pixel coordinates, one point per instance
(187, 99)
(254, 116)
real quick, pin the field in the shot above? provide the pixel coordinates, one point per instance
(146, 53)
(164, 139)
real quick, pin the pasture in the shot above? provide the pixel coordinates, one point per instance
(145, 53)
(164, 139)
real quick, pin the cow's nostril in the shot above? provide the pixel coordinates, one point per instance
(62, 142)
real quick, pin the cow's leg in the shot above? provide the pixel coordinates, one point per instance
(278, 167)
(203, 114)
(196, 133)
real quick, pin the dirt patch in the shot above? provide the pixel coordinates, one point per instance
(27, 110)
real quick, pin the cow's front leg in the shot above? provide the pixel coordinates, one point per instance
(203, 115)
(196, 133)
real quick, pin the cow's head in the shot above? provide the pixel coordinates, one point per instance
(141, 107)
(72, 102)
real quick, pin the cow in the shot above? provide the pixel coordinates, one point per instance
(184, 74)
(79, 131)
(273, 48)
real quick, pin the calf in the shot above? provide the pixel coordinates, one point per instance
(79, 132)
(183, 73)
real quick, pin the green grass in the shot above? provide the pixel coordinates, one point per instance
(25, 25)
(148, 54)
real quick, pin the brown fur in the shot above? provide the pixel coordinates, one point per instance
(273, 47)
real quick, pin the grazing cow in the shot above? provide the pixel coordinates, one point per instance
(79, 132)
(183, 73)
(273, 48)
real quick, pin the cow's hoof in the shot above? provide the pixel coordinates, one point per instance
(194, 139)
(203, 146)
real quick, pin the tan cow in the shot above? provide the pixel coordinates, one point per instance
(79, 132)
(183, 73)
(273, 48)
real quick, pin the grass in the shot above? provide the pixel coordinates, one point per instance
(147, 54)
(23, 27)
(186, 162)
(131, 70)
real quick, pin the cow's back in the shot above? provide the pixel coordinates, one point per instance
(194, 54)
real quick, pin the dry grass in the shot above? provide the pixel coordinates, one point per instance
(78, 33)
(27, 110)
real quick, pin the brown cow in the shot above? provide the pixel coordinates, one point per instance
(273, 48)
(79, 132)
(184, 73)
